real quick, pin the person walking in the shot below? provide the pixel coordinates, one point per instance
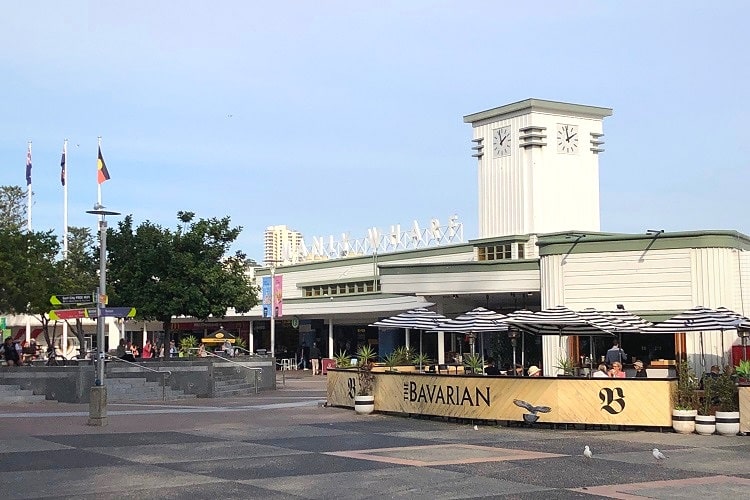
(315, 358)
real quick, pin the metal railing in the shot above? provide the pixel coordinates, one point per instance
(164, 373)
(251, 368)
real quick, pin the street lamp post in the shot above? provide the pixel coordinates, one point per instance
(98, 393)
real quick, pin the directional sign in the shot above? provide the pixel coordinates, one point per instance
(74, 299)
(59, 314)
(114, 312)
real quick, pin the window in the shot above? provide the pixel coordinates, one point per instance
(350, 288)
(495, 252)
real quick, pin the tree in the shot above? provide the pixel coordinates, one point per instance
(186, 272)
(28, 273)
(12, 207)
(78, 273)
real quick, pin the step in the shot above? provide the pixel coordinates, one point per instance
(22, 398)
(233, 392)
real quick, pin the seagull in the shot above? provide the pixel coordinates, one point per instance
(587, 452)
(657, 454)
(476, 428)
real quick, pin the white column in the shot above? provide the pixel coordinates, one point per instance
(441, 347)
(407, 339)
(65, 337)
(330, 338)
(251, 339)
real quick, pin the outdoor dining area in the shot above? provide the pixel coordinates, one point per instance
(572, 392)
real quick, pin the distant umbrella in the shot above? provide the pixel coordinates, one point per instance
(700, 319)
(417, 319)
(477, 321)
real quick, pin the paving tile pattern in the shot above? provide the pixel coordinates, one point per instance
(286, 445)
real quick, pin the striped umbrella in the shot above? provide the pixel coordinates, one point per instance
(624, 321)
(475, 321)
(417, 319)
(478, 320)
(560, 320)
(699, 319)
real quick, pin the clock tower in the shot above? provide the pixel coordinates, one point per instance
(538, 167)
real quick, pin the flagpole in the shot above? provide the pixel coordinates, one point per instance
(98, 184)
(28, 218)
(28, 187)
(64, 180)
(65, 198)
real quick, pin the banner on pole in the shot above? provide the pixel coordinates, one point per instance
(278, 301)
(266, 291)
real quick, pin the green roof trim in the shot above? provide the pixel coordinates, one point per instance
(380, 258)
(461, 267)
(539, 105)
(499, 240)
(354, 279)
(582, 242)
(344, 298)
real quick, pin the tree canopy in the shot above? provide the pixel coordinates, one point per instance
(165, 273)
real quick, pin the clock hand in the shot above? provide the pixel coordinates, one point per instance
(572, 136)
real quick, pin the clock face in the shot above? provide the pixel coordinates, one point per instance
(501, 141)
(567, 138)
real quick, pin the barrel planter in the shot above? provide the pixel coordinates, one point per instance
(683, 421)
(364, 405)
(728, 423)
(705, 425)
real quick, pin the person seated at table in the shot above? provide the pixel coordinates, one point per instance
(601, 372)
(491, 369)
(534, 371)
(640, 372)
(616, 371)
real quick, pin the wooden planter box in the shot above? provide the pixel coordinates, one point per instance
(744, 408)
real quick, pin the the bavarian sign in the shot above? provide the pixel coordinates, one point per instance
(643, 402)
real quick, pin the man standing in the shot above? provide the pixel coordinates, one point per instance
(615, 354)
(315, 358)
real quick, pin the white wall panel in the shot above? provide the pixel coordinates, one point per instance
(460, 283)
(293, 276)
(638, 280)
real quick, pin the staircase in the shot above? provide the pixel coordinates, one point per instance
(230, 381)
(14, 394)
(137, 389)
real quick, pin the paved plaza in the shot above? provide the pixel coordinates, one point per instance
(286, 444)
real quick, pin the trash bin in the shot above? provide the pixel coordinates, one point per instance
(327, 363)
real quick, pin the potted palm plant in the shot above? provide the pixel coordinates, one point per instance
(473, 364)
(567, 366)
(684, 399)
(342, 360)
(421, 360)
(728, 413)
(705, 420)
(364, 400)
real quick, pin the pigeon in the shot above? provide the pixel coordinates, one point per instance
(587, 452)
(657, 454)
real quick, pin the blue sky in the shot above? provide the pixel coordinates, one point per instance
(337, 116)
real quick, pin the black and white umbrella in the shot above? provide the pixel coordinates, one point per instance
(560, 320)
(477, 321)
(417, 319)
(700, 319)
